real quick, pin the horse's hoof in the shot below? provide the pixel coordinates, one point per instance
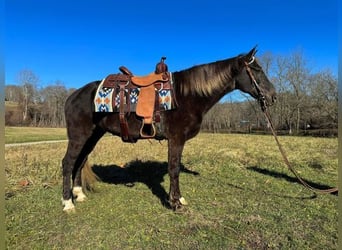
(180, 209)
(69, 210)
(78, 194)
(81, 198)
(69, 206)
(178, 205)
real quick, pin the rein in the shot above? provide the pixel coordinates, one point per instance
(263, 104)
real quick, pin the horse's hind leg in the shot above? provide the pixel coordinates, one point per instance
(69, 161)
(77, 191)
(77, 173)
(73, 162)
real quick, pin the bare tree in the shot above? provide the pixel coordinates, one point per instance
(13, 93)
(324, 100)
(297, 78)
(53, 97)
(28, 80)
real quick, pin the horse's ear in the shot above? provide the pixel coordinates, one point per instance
(247, 58)
(251, 54)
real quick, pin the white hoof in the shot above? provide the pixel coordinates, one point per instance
(78, 193)
(68, 206)
(81, 198)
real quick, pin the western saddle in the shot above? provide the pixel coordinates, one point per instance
(148, 100)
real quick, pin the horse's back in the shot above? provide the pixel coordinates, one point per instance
(82, 97)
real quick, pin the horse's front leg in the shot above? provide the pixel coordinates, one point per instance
(175, 150)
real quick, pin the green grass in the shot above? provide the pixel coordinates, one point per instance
(240, 195)
(33, 134)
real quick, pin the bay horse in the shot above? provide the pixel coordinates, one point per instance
(197, 89)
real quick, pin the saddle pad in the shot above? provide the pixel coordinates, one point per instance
(108, 99)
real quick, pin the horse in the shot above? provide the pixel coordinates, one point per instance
(197, 89)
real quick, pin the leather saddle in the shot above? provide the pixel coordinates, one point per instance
(147, 106)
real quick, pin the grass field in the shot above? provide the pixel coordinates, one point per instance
(33, 134)
(240, 195)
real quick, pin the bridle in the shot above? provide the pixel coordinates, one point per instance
(264, 107)
(261, 97)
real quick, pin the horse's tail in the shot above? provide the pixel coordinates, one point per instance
(88, 177)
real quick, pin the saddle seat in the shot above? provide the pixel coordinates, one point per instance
(144, 81)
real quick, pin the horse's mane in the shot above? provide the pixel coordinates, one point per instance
(204, 79)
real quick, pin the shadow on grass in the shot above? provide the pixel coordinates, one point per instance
(150, 173)
(288, 178)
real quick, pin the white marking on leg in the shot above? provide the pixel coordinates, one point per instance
(78, 193)
(183, 201)
(68, 205)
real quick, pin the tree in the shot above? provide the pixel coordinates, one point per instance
(28, 80)
(13, 93)
(324, 100)
(297, 78)
(53, 97)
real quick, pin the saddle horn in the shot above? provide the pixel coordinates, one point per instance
(161, 66)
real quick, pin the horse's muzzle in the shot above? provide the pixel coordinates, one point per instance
(266, 101)
(271, 98)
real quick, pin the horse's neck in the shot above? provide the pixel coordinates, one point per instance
(205, 102)
(211, 100)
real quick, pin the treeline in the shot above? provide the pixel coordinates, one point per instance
(307, 103)
(28, 105)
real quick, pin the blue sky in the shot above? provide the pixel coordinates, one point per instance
(77, 42)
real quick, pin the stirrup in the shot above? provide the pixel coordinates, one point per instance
(145, 135)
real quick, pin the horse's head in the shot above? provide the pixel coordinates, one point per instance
(253, 80)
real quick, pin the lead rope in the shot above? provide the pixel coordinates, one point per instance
(263, 104)
(304, 183)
